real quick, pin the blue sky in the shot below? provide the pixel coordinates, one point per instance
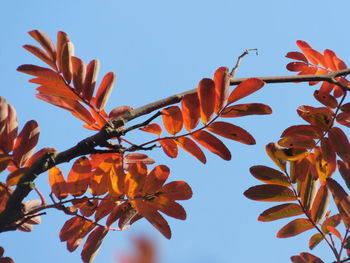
(160, 48)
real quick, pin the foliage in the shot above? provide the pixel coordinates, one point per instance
(113, 183)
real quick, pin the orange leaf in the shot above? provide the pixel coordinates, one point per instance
(172, 119)
(191, 147)
(320, 117)
(177, 190)
(312, 55)
(326, 99)
(99, 183)
(79, 72)
(45, 42)
(25, 142)
(105, 89)
(315, 240)
(135, 179)
(269, 175)
(14, 177)
(333, 221)
(245, 110)
(155, 179)
(90, 79)
(245, 88)
(152, 128)
(79, 177)
(307, 130)
(272, 150)
(335, 232)
(41, 54)
(280, 211)
(212, 143)
(168, 207)
(169, 147)
(38, 155)
(75, 241)
(116, 179)
(56, 90)
(62, 39)
(206, 95)
(320, 204)
(156, 219)
(343, 118)
(295, 227)
(9, 132)
(222, 79)
(104, 208)
(66, 60)
(57, 183)
(93, 244)
(297, 141)
(305, 257)
(118, 211)
(344, 171)
(297, 56)
(341, 143)
(341, 198)
(71, 227)
(41, 72)
(231, 132)
(270, 193)
(296, 66)
(190, 111)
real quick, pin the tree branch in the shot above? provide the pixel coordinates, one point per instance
(13, 211)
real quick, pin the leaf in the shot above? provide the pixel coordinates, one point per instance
(93, 244)
(172, 119)
(269, 175)
(341, 198)
(297, 141)
(119, 111)
(305, 257)
(41, 54)
(307, 190)
(343, 118)
(66, 61)
(270, 193)
(335, 232)
(135, 179)
(297, 56)
(155, 179)
(177, 190)
(4, 161)
(92, 70)
(99, 183)
(232, 132)
(25, 142)
(14, 177)
(306, 130)
(296, 66)
(333, 221)
(280, 211)
(79, 73)
(315, 240)
(326, 99)
(312, 55)
(222, 79)
(321, 117)
(344, 171)
(341, 143)
(152, 128)
(245, 88)
(138, 158)
(105, 89)
(271, 150)
(104, 208)
(57, 183)
(190, 111)
(62, 39)
(320, 204)
(168, 207)
(118, 211)
(75, 241)
(212, 143)
(71, 227)
(247, 109)
(191, 147)
(295, 227)
(169, 147)
(41, 72)
(45, 42)
(79, 177)
(9, 132)
(206, 95)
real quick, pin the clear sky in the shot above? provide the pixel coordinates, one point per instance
(159, 48)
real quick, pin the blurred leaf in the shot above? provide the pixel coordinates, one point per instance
(245, 88)
(14, 177)
(240, 110)
(172, 119)
(335, 232)
(4, 161)
(326, 99)
(190, 111)
(315, 240)
(295, 227)
(212, 143)
(269, 175)
(320, 204)
(191, 147)
(232, 132)
(344, 171)
(9, 130)
(270, 193)
(207, 99)
(331, 221)
(93, 244)
(222, 79)
(280, 211)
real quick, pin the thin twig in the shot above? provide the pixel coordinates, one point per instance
(239, 59)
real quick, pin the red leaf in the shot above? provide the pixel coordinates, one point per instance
(307, 130)
(280, 211)
(9, 131)
(341, 199)
(222, 78)
(105, 90)
(245, 110)
(41, 54)
(295, 227)
(297, 56)
(66, 60)
(297, 141)
(312, 55)
(333, 221)
(315, 240)
(297, 66)
(79, 177)
(206, 95)
(232, 132)
(340, 142)
(4, 161)
(138, 158)
(177, 190)
(343, 118)
(172, 119)
(45, 42)
(320, 204)
(269, 175)
(270, 193)
(152, 128)
(41, 72)
(90, 79)
(191, 147)
(328, 56)
(135, 179)
(326, 99)
(62, 39)
(335, 232)
(168, 207)
(93, 244)
(212, 143)
(25, 142)
(169, 147)
(190, 111)
(14, 177)
(70, 228)
(155, 179)
(245, 88)
(79, 72)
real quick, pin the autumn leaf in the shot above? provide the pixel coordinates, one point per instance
(79, 177)
(247, 109)
(270, 193)
(92, 70)
(57, 183)
(280, 211)
(172, 119)
(315, 240)
(295, 227)
(169, 147)
(191, 147)
(105, 89)
(222, 79)
(93, 244)
(152, 128)
(269, 175)
(245, 88)
(190, 111)
(206, 95)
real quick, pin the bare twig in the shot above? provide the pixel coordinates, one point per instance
(246, 52)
